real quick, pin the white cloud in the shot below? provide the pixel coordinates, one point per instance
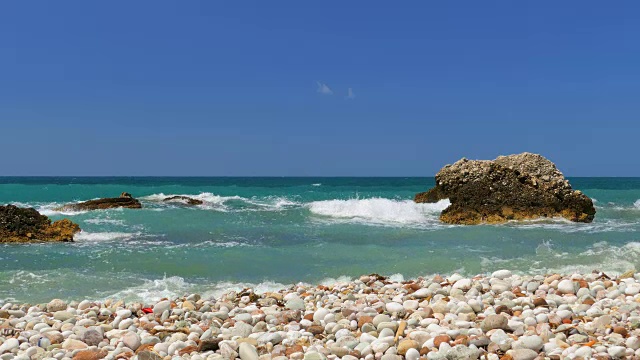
(350, 94)
(324, 88)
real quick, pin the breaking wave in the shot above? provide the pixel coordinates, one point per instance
(379, 210)
(49, 209)
(229, 203)
(176, 286)
(84, 236)
(549, 258)
(567, 226)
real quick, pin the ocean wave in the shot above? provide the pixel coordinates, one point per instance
(24, 277)
(273, 203)
(379, 210)
(207, 197)
(624, 207)
(567, 226)
(49, 209)
(210, 201)
(601, 256)
(548, 259)
(176, 286)
(316, 184)
(84, 236)
(101, 221)
(229, 203)
(210, 243)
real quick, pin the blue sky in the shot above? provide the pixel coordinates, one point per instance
(262, 88)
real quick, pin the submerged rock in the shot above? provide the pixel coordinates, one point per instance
(28, 225)
(183, 200)
(124, 201)
(514, 187)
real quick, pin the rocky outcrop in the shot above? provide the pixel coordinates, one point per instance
(124, 201)
(19, 225)
(514, 187)
(183, 200)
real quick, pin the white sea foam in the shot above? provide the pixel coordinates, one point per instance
(210, 243)
(206, 197)
(637, 204)
(84, 236)
(273, 203)
(601, 256)
(334, 281)
(54, 210)
(567, 226)
(23, 277)
(100, 221)
(49, 209)
(317, 184)
(175, 286)
(221, 203)
(379, 210)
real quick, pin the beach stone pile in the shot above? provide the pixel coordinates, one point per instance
(501, 316)
(21, 225)
(514, 187)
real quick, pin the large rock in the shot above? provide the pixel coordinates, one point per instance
(514, 187)
(183, 200)
(125, 200)
(19, 225)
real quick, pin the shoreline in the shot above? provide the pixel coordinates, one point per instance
(501, 316)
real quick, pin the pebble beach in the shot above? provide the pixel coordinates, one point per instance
(501, 316)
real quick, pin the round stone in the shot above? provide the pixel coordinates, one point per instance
(162, 306)
(533, 342)
(320, 314)
(92, 337)
(394, 307)
(522, 354)
(405, 345)
(494, 321)
(566, 287)
(501, 274)
(131, 340)
(248, 352)
(617, 352)
(56, 305)
(62, 315)
(412, 354)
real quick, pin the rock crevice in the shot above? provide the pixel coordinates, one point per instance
(515, 187)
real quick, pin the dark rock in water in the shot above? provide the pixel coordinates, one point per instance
(124, 201)
(514, 187)
(28, 225)
(183, 200)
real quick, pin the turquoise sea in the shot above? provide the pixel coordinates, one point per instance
(271, 232)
